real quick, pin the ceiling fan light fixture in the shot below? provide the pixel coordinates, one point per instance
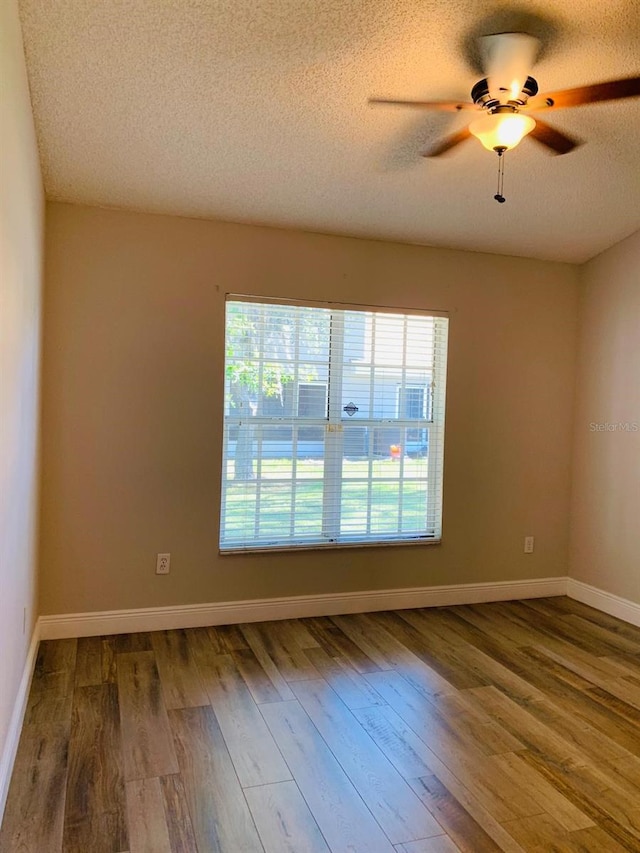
(501, 131)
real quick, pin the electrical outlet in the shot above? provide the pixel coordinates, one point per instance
(528, 544)
(163, 564)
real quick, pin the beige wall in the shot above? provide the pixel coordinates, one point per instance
(21, 226)
(605, 519)
(133, 366)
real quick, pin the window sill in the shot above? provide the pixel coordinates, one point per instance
(324, 546)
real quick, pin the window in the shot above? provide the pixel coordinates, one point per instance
(333, 426)
(412, 401)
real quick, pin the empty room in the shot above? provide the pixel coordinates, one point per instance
(319, 426)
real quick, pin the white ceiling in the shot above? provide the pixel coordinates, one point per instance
(256, 111)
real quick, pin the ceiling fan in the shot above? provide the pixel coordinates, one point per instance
(508, 94)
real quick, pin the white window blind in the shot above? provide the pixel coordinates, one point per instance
(333, 426)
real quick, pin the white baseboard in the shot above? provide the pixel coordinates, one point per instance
(262, 610)
(15, 724)
(622, 608)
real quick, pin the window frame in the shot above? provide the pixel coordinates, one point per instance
(433, 399)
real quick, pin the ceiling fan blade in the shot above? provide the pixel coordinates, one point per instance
(612, 90)
(448, 143)
(447, 106)
(559, 142)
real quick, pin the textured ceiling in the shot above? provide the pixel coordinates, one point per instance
(256, 111)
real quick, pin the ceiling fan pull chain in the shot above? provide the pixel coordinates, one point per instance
(499, 196)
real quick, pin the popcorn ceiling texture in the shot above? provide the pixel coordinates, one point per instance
(256, 111)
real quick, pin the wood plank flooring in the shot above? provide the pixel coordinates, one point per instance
(494, 727)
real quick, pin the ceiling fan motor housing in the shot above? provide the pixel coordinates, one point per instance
(507, 60)
(480, 95)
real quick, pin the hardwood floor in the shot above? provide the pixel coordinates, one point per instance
(493, 727)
